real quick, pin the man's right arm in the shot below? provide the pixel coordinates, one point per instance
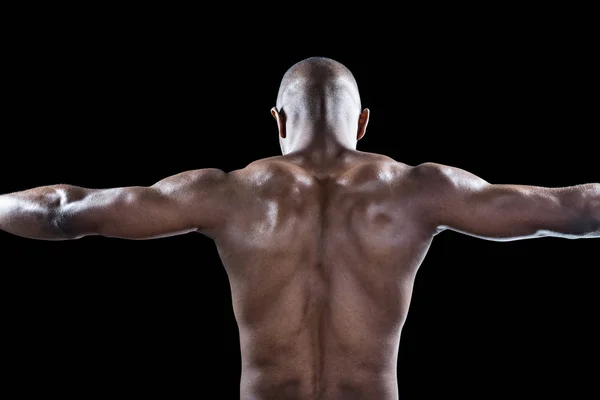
(190, 201)
(458, 200)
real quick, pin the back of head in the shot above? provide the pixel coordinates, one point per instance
(318, 89)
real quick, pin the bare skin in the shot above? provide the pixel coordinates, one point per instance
(321, 246)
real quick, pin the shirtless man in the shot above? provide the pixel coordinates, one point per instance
(321, 244)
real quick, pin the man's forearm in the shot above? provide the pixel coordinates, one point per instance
(33, 213)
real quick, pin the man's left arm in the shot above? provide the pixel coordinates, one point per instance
(458, 200)
(189, 201)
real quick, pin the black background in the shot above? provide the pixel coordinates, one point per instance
(106, 101)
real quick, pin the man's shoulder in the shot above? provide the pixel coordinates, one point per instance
(265, 166)
(437, 175)
(270, 173)
(429, 170)
(405, 177)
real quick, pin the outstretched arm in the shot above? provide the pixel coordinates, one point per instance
(463, 202)
(190, 201)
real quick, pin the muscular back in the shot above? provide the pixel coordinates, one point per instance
(321, 266)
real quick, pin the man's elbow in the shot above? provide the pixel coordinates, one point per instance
(61, 225)
(594, 207)
(585, 227)
(587, 223)
(66, 219)
(68, 223)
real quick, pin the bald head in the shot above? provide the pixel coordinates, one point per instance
(318, 107)
(318, 88)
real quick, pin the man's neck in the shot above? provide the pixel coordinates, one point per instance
(319, 146)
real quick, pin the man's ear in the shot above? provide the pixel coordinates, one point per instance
(280, 118)
(363, 121)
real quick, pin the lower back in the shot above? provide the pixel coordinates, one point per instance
(261, 385)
